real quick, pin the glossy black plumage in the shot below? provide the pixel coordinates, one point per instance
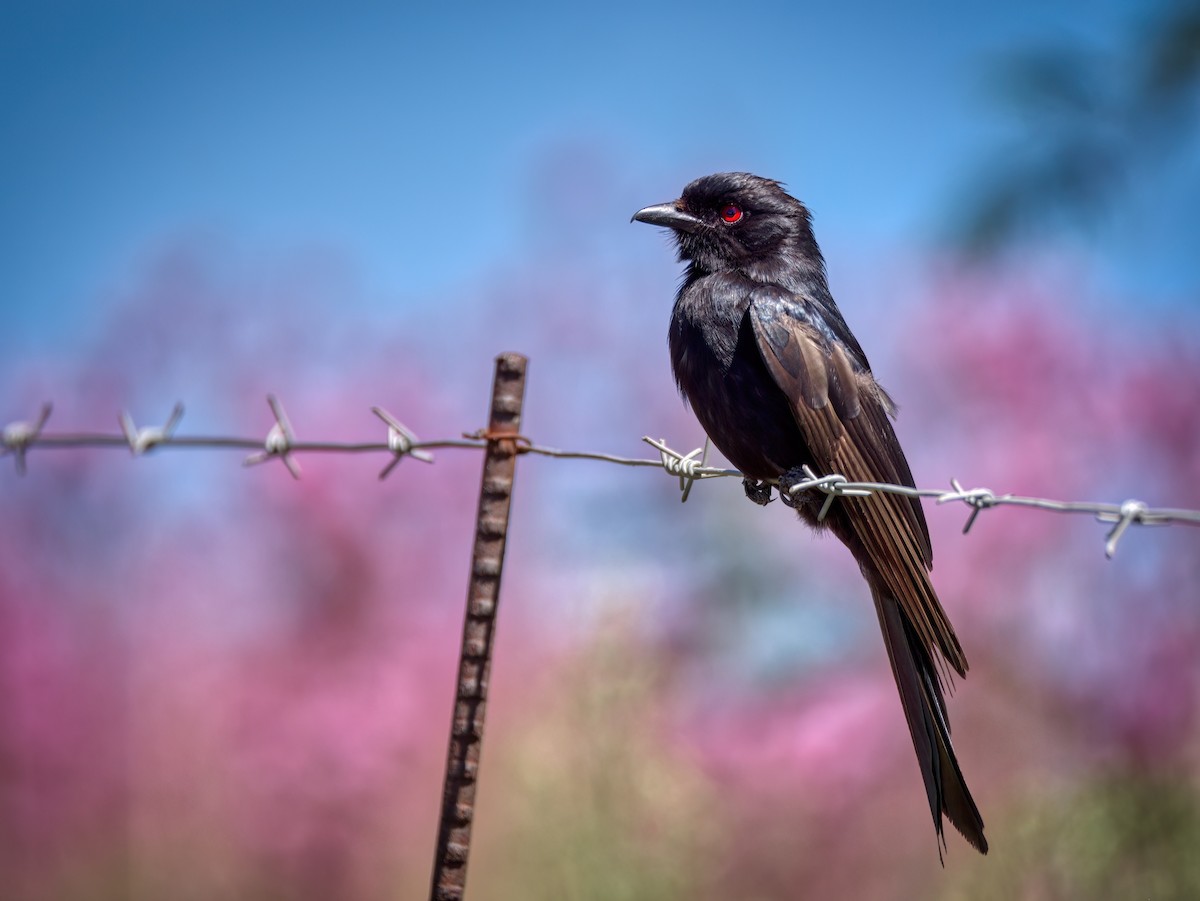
(778, 381)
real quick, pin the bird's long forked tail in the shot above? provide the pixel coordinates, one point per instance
(925, 710)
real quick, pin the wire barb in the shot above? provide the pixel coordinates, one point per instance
(149, 437)
(978, 499)
(401, 442)
(279, 442)
(834, 486)
(20, 436)
(685, 466)
(1131, 512)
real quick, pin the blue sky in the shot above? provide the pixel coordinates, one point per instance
(412, 138)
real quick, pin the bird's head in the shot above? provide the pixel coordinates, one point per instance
(735, 220)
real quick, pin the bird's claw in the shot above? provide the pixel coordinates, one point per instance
(786, 481)
(759, 492)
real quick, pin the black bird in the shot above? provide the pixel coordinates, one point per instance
(778, 381)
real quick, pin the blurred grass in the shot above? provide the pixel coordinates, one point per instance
(1124, 834)
(590, 798)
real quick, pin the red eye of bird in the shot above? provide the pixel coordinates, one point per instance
(731, 213)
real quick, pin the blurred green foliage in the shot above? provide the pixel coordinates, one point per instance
(1089, 122)
(590, 798)
(1122, 834)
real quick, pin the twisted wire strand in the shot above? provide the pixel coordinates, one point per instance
(21, 437)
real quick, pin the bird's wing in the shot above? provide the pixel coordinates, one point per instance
(843, 415)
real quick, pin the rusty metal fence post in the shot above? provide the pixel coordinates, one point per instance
(479, 628)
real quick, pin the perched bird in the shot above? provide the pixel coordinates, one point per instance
(778, 381)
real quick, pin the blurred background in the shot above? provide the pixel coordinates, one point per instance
(216, 682)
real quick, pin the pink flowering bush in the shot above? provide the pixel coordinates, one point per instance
(226, 683)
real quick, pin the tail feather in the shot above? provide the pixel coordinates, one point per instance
(925, 710)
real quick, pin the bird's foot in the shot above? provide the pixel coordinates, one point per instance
(759, 492)
(786, 481)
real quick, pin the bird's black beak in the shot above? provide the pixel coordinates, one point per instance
(668, 215)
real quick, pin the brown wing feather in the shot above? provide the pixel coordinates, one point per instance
(843, 416)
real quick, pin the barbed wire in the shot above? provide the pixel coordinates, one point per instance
(281, 443)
